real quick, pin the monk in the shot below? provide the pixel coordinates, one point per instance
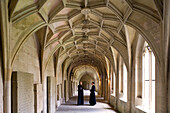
(80, 94)
(92, 95)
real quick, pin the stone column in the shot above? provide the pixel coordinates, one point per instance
(56, 95)
(7, 96)
(99, 92)
(117, 86)
(102, 89)
(121, 76)
(7, 91)
(5, 36)
(38, 98)
(106, 88)
(67, 90)
(109, 88)
(44, 85)
(161, 90)
(166, 17)
(129, 87)
(139, 76)
(133, 104)
(51, 94)
(1, 86)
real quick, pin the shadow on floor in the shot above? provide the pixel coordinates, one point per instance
(71, 106)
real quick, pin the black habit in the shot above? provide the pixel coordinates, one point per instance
(92, 96)
(80, 95)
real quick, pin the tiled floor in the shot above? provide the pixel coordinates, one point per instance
(72, 107)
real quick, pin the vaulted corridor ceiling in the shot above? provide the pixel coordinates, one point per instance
(84, 32)
(69, 39)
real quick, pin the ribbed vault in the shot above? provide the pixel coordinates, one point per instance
(86, 69)
(58, 42)
(84, 32)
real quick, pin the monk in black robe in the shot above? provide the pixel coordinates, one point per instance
(80, 94)
(92, 95)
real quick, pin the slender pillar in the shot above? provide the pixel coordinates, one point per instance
(7, 96)
(139, 76)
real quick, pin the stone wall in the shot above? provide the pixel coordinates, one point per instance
(1, 85)
(122, 105)
(38, 98)
(113, 101)
(50, 68)
(87, 80)
(27, 59)
(59, 74)
(22, 93)
(48, 72)
(169, 91)
(59, 95)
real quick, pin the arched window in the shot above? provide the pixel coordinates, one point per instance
(122, 80)
(145, 80)
(148, 70)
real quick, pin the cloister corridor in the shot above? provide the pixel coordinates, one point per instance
(72, 107)
(119, 48)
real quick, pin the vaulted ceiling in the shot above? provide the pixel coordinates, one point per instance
(82, 32)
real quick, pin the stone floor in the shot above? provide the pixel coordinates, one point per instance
(72, 107)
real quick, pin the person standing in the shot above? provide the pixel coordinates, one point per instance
(92, 95)
(80, 94)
